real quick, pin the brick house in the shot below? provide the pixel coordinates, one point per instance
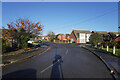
(117, 38)
(46, 38)
(80, 36)
(68, 36)
(63, 36)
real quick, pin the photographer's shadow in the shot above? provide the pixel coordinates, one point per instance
(21, 74)
(57, 72)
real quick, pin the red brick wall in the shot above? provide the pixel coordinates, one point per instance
(59, 37)
(72, 36)
(117, 39)
(78, 41)
(46, 37)
(63, 37)
(61, 41)
(67, 37)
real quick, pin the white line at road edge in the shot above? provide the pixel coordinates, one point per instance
(54, 63)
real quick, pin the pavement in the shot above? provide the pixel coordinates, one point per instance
(112, 61)
(61, 61)
(22, 55)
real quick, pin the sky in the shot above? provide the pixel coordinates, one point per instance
(63, 17)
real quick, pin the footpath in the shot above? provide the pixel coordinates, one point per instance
(110, 60)
(21, 55)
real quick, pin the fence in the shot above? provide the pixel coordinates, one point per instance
(61, 41)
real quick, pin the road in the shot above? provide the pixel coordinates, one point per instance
(61, 61)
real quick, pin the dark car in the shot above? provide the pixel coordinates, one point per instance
(39, 41)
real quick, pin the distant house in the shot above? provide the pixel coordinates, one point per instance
(58, 36)
(61, 36)
(117, 38)
(112, 35)
(46, 38)
(116, 33)
(103, 33)
(68, 36)
(38, 37)
(100, 32)
(80, 36)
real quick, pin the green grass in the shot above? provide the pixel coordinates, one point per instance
(111, 51)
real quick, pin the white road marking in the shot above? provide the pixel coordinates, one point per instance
(54, 63)
(65, 53)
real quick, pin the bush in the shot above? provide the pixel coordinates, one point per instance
(118, 45)
(95, 38)
(4, 41)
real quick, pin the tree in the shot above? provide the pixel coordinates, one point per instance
(110, 36)
(3, 45)
(51, 36)
(95, 38)
(107, 44)
(102, 43)
(22, 30)
(114, 43)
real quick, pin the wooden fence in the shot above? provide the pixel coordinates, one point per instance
(61, 41)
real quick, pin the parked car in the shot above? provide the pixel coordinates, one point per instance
(30, 41)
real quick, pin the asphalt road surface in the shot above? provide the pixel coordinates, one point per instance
(61, 61)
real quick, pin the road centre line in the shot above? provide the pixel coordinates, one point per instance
(54, 63)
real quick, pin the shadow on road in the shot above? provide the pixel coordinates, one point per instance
(57, 72)
(21, 74)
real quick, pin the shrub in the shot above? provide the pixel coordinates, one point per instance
(4, 41)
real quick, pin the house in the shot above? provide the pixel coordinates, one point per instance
(43, 38)
(80, 36)
(67, 36)
(111, 35)
(117, 38)
(103, 33)
(46, 38)
(61, 36)
(116, 33)
(38, 37)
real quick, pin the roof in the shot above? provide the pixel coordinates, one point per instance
(118, 36)
(67, 34)
(100, 32)
(113, 32)
(80, 31)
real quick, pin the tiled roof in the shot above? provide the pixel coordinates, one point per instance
(80, 31)
(100, 32)
(113, 32)
(68, 34)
